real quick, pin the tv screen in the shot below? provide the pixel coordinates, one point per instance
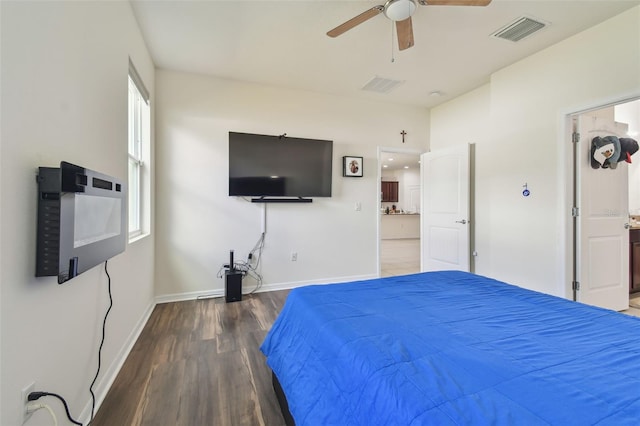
(279, 166)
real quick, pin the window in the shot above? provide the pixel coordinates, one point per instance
(139, 155)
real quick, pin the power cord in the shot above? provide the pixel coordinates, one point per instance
(33, 396)
(245, 267)
(252, 271)
(31, 408)
(104, 328)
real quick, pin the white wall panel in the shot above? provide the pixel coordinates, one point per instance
(199, 223)
(517, 122)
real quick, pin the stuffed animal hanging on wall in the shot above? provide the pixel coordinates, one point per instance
(608, 151)
(628, 147)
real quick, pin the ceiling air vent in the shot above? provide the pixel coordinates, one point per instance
(519, 29)
(381, 85)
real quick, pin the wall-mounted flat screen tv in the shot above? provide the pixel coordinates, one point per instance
(279, 166)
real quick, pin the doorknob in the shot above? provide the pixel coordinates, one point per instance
(464, 222)
(627, 226)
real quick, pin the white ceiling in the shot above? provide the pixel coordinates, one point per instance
(399, 161)
(284, 43)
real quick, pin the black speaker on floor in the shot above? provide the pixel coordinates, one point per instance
(233, 286)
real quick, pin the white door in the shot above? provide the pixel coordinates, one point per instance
(445, 209)
(603, 240)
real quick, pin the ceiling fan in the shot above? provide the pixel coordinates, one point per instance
(400, 11)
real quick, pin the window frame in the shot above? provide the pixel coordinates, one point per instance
(138, 148)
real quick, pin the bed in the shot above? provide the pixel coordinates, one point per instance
(451, 348)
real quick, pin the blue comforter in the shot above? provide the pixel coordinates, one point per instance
(452, 348)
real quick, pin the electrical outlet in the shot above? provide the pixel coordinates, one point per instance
(294, 256)
(23, 400)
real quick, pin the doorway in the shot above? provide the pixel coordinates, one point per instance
(399, 193)
(606, 200)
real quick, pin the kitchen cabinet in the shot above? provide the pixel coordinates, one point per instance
(634, 260)
(389, 192)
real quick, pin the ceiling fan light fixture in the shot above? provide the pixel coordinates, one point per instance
(399, 10)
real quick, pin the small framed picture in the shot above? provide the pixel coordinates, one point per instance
(351, 166)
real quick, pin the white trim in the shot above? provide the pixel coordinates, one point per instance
(138, 236)
(133, 236)
(219, 292)
(138, 139)
(109, 375)
(137, 81)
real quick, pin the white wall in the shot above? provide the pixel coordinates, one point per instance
(64, 97)
(518, 124)
(199, 223)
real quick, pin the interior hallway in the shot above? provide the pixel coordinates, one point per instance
(399, 257)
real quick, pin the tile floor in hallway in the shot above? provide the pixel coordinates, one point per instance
(399, 257)
(402, 256)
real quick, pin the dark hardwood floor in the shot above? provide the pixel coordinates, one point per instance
(198, 363)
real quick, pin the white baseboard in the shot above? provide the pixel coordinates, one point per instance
(104, 384)
(219, 292)
(180, 297)
(322, 281)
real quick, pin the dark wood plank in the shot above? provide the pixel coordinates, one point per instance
(261, 378)
(198, 362)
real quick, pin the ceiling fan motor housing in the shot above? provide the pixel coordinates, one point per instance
(399, 10)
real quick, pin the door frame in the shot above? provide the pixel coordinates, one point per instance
(567, 175)
(400, 150)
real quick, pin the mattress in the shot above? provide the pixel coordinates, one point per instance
(452, 348)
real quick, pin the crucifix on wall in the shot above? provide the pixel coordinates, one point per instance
(403, 133)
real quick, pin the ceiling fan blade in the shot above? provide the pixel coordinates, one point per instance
(364, 16)
(454, 2)
(405, 33)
